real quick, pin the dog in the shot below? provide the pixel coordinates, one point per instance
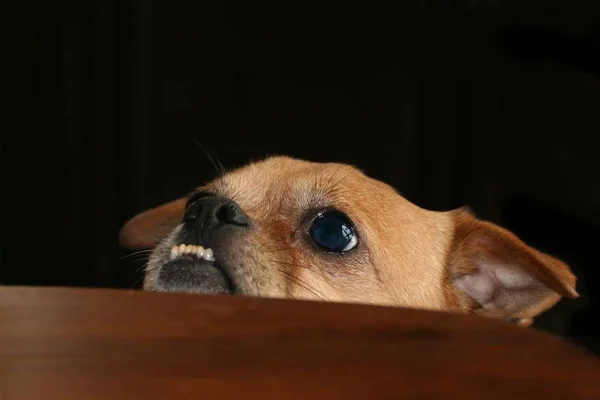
(289, 228)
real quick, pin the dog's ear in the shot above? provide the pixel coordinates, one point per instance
(146, 229)
(498, 275)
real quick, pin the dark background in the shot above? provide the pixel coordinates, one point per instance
(491, 104)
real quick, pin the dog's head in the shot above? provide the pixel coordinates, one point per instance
(289, 228)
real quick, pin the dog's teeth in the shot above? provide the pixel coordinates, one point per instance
(190, 249)
(208, 255)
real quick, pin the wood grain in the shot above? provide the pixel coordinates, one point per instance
(65, 344)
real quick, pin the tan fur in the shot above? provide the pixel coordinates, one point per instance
(407, 256)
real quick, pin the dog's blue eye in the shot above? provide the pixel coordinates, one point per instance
(334, 232)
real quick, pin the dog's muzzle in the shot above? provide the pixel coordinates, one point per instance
(194, 264)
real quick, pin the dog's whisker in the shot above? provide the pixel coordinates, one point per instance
(220, 171)
(140, 256)
(290, 278)
(220, 164)
(140, 268)
(302, 284)
(316, 272)
(287, 292)
(270, 251)
(330, 179)
(136, 257)
(137, 282)
(143, 260)
(335, 187)
(137, 253)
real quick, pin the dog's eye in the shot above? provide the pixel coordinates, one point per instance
(334, 232)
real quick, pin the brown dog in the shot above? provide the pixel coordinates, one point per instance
(288, 228)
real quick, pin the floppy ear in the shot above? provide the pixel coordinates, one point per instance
(498, 275)
(145, 230)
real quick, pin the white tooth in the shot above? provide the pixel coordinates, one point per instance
(181, 249)
(174, 252)
(199, 251)
(208, 255)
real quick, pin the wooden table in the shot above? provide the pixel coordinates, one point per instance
(109, 344)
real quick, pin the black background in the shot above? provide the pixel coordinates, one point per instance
(491, 104)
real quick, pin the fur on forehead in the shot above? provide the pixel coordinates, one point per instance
(294, 183)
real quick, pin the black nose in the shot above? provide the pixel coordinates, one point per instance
(208, 213)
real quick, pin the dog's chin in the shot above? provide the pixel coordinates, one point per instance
(193, 275)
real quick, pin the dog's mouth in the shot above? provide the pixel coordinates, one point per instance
(192, 251)
(193, 269)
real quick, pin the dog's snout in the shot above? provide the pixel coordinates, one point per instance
(208, 213)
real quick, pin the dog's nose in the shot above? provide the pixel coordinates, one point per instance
(208, 213)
